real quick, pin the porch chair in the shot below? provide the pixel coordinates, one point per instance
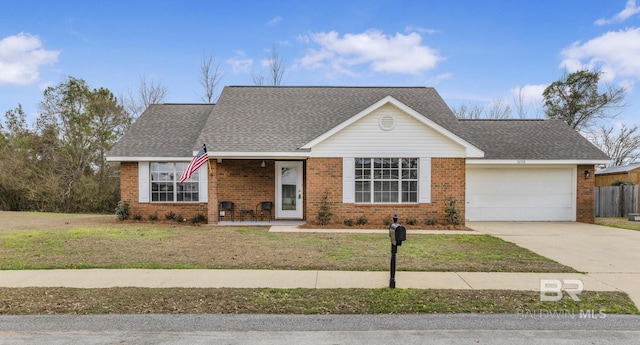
(262, 208)
(226, 206)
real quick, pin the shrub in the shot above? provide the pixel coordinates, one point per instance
(170, 215)
(122, 210)
(179, 218)
(349, 222)
(137, 217)
(387, 221)
(412, 221)
(198, 218)
(153, 217)
(452, 213)
(362, 220)
(324, 214)
(431, 221)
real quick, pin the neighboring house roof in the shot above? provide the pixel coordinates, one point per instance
(270, 119)
(164, 130)
(617, 170)
(284, 119)
(529, 140)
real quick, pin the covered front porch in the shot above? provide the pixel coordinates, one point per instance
(256, 191)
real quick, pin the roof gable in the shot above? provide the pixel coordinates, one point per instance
(470, 149)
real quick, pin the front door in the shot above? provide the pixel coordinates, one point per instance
(289, 189)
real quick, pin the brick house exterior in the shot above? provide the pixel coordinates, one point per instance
(371, 152)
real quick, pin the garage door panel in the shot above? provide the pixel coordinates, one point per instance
(520, 194)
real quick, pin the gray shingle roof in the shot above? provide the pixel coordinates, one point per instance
(615, 170)
(283, 119)
(164, 130)
(529, 139)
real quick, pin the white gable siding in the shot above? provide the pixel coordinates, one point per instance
(408, 138)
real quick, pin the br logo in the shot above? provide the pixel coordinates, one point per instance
(552, 290)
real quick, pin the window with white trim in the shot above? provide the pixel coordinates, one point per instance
(164, 183)
(386, 180)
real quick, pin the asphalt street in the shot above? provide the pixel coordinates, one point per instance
(531, 327)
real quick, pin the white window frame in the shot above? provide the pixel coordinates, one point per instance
(423, 182)
(385, 179)
(145, 182)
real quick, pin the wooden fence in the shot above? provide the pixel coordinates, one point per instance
(617, 201)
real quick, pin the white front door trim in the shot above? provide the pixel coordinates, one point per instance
(289, 197)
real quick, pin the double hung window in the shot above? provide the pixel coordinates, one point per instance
(165, 186)
(386, 180)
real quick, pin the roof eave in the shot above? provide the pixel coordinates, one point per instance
(536, 161)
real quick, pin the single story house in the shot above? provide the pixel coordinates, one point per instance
(628, 173)
(367, 151)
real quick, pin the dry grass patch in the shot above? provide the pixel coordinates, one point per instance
(106, 243)
(298, 301)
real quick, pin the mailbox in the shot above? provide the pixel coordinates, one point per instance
(397, 232)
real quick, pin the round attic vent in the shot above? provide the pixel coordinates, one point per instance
(386, 122)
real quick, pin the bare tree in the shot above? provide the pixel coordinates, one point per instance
(258, 78)
(277, 69)
(209, 78)
(622, 146)
(523, 109)
(498, 110)
(146, 94)
(151, 93)
(276, 66)
(466, 112)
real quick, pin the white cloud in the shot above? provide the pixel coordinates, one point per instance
(437, 79)
(21, 56)
(275, 20)
(530, 94)
(389, 54)
(630, 10)
(615, 53)
(419, 29)
(240, 63)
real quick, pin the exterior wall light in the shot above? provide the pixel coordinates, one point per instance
(587, 174)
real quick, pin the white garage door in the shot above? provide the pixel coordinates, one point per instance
(520, 194)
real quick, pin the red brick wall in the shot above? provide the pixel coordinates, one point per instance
(244, 182)
(324, 175)
(585, 194)
(129, 193)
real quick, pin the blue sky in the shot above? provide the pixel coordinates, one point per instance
(472, 52)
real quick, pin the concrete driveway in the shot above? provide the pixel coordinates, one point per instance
(607, 254)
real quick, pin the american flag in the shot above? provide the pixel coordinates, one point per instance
(201, 157)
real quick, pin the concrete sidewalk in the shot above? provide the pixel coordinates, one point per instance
(197, 278)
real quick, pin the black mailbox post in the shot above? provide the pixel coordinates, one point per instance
(397, 234)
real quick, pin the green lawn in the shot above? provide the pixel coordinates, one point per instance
(161, 245)
(622, 223)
